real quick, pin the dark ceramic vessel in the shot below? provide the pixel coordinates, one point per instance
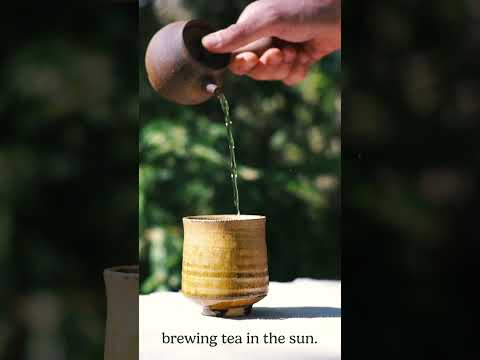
(179, 68)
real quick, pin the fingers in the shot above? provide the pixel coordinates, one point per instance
(262, 72)
(298, 72)
(257, 20)
(271, 66)
(243, 63)
(258, 46)
(272, 57)
(289, 65)
(303, 58)
(289, 55)
(235, 36)
(319, 48)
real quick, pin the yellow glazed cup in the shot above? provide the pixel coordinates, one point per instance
(225, 266)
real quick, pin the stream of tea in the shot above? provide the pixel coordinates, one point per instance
(231, 146)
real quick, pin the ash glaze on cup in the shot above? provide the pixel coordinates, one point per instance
(225, 266)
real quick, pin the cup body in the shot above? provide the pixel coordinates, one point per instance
(225, 267)
(121, 332)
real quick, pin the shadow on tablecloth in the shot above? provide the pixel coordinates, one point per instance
(294, 312)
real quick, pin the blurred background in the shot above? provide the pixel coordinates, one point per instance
(410, 176)
(287, 143)
(68, 174)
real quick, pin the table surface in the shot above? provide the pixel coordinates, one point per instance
(303, 307)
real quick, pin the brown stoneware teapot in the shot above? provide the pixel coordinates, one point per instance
(179, 68)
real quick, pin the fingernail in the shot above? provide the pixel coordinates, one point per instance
(243, 64)
(211, 41)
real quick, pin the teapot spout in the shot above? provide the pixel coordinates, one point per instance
(213, 89)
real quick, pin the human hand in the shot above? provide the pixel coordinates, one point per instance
(310, 29)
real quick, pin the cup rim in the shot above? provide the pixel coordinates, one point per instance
(223, 218)
(123, 271)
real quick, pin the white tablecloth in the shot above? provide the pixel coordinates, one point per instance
(303, 307)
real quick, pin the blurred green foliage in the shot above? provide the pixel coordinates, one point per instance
(288, 152)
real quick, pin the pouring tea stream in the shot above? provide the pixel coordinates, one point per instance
(181, 70)
(231, 247)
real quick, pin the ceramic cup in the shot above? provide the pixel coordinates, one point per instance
(224, 266)
(121, 333)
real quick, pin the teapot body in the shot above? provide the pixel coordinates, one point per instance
(179, 68)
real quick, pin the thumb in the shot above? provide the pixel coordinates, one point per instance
(235, 36)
